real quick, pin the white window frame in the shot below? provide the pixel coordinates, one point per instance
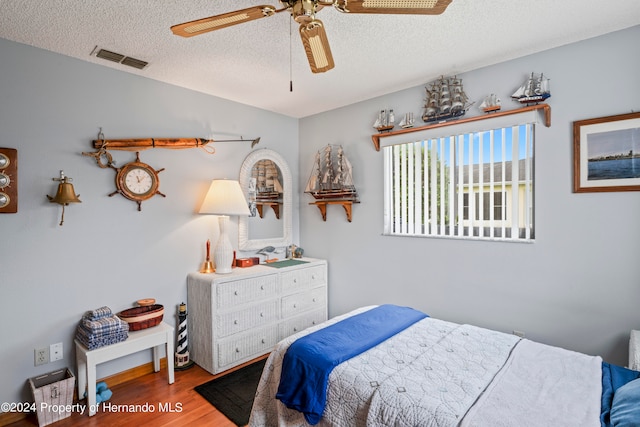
(407, 157)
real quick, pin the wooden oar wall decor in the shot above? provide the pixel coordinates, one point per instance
(137, 181)
(139, 144)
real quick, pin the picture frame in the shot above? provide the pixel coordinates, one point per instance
(606, 154)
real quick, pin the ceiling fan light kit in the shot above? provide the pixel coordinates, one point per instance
(312, 32)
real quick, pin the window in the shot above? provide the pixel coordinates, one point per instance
(476, 185)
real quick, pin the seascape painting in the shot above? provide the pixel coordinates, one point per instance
(606, 153)
(614, 155)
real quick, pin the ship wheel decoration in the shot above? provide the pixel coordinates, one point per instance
(137, 181)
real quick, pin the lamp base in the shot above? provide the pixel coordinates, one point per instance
(223, 253)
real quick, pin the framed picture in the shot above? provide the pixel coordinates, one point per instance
(606, 154)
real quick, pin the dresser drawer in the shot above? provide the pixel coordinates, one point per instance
(255, 316)
(303, 301)
(242, 291)
(299, 323)
(247, 347)
(303, 278)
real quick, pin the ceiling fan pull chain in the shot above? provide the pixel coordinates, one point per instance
(290, 60)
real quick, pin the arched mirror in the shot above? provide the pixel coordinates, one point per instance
(266, 181)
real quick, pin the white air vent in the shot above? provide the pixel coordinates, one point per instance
(119, 58)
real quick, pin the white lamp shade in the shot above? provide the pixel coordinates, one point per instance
(225, 197)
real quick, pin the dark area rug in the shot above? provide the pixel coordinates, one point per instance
(233, 393)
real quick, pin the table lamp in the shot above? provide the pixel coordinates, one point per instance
(224, 198)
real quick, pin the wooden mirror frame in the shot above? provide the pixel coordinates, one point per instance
(245, 242)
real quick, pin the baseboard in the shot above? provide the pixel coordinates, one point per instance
(7, 418)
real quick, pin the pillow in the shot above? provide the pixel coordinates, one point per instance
(625, 409)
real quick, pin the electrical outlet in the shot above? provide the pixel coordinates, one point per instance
(55, 352)
(41, 356)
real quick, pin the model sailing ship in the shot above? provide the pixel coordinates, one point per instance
(490, 104)
(445, 100)
(534, 90)
(331, 176)
(267, 181)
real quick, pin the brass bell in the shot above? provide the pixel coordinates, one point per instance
(65, 194)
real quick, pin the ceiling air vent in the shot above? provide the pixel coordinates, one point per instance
(119, 58)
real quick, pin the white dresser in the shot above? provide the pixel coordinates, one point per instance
(236, 317)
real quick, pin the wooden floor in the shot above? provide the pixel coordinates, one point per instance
(153, 389)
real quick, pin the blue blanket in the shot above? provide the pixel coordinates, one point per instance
(310, 359)
(613, 377)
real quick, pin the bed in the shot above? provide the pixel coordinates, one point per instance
(435, 373)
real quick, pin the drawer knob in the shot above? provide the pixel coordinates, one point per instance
(235, 322)
(261, 314)
(262, 287)
(235, 293)
(295, 306)
(295, 280)
(237, 350)
(295, 329)
(314, 300)
(313, 276)
(262, 340)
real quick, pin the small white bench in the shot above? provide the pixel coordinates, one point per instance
(87, 360)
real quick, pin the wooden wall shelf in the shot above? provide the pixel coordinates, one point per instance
(274, 205)
(346, 204)
(545, 107)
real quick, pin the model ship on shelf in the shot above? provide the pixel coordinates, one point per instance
(385, 120)
(331, 176)
(267, 179)
(490, 104)
(534, 90)
(445, 100)
(407, 121)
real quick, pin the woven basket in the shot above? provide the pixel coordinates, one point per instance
(142, 317)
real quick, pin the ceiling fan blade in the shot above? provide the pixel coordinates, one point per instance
(412, 7)
(200, 26)
(316, 46)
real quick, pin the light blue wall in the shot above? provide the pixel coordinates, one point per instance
(106, 253)
(577, 286)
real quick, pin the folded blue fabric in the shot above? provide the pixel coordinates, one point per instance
(104, 326)
(98, 313)
(310, 359)
(613, 378)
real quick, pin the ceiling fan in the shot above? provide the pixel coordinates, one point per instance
(314, 37)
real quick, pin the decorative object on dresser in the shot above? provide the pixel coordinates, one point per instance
(65, 194)
(224, 198)
(207, 266)
(8, 180)
(238, 317)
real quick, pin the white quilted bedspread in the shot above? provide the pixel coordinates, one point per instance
(428, 375)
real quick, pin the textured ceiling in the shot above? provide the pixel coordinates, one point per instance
(253, 63)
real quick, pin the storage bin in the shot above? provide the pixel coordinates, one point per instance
(53, 395)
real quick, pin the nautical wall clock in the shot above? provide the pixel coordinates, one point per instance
(137, 181)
